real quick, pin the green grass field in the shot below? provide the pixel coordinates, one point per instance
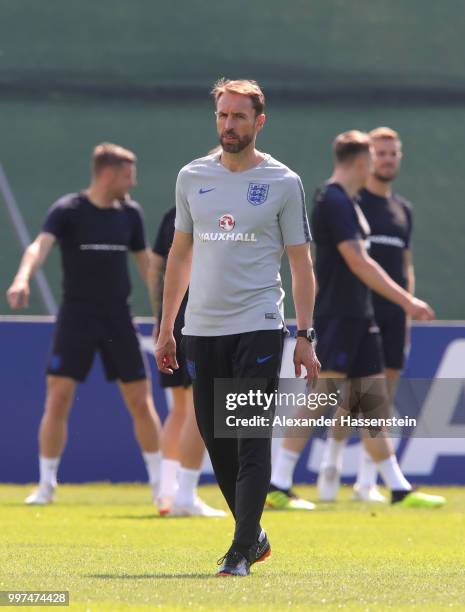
(105, 545)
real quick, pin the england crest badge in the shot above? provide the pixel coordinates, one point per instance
(257, 194)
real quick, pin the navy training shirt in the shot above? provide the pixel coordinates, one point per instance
(162, 246)
(336, 218)
(390, 221)
(94, 243)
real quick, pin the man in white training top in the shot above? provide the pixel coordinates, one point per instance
(236, 212)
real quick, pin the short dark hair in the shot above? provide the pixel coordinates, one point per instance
(108, 154)
(348, 145)
(244, 87)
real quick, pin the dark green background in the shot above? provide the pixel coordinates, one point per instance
(138, 73)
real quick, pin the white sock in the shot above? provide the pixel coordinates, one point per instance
(187, 481)
(283, 468)
(367, 473)
(168, 478)
(152, 464)
(48, 469)
(332, 454)
(392, 474)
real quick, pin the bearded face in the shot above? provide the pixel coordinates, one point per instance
(231, 142)
(236, 122)
(387, 155)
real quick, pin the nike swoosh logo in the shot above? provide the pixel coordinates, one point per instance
(263, 359)
(202, 191)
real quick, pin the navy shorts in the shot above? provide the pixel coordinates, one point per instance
(392, 326)
(179, 377)
(82, 330)
(349, 345)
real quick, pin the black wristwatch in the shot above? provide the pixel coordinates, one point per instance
(309, 334)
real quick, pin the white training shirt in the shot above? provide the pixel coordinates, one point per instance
(240, 223)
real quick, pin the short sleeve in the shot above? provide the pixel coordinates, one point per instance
(408, 212)
(55, 220)
(138, 242)
(164, 236)
(293, 219)
(183, 221)
(340, 219)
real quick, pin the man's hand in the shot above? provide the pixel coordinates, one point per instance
(304, 355)
(18, 294)
(165, 353)
(419, 310)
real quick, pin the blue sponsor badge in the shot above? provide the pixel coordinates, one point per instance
(55, 362)
(261, 360)
(341, 359)
(257, 194)
(191, 368)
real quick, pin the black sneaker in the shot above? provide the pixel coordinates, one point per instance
(233, 564)
(262, 550)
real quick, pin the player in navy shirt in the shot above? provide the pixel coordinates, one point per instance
(182, 447)
(161, 249)
(390, 218)
(348, 338)
(94, 229)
